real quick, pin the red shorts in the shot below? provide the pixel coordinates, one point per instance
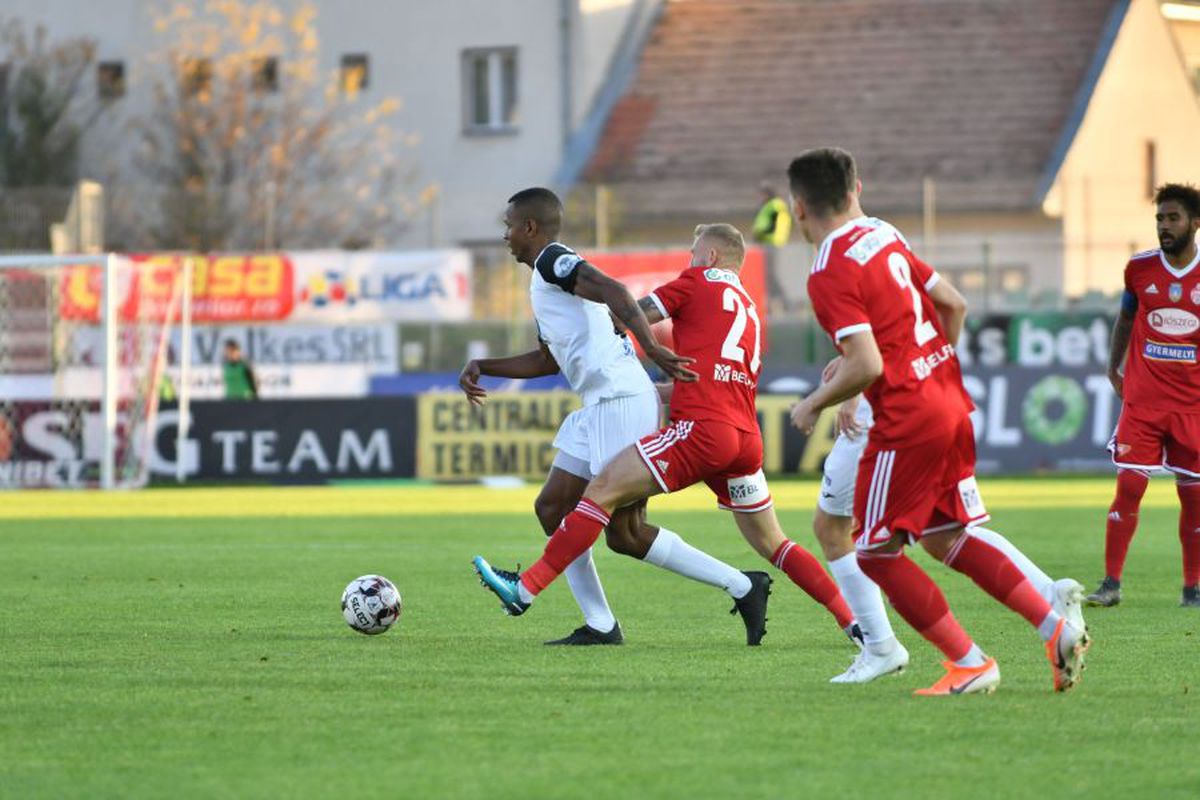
(915, 490)
(1150, 439)
(727, 459)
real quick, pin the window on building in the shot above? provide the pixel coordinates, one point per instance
(355, 73)
(264, 75)
(197, 75)
(1014, 279)
(971, 280)
(110, 79)
(1151, 157)
(490, 90)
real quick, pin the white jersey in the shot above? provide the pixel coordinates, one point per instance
(598, 362)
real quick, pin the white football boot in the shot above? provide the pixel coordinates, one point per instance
(1068, 602)
(868, 666)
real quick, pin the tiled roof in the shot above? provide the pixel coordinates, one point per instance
(973, 93)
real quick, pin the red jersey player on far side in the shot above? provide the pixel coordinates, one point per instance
(1159, 427)
(916, 479)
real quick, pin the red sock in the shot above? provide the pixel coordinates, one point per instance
(918, 599)
(1123, 519)
(1189, 528)
(998, 576)
(807, 573)
(578, 531)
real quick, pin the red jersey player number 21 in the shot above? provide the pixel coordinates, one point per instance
(713, 434)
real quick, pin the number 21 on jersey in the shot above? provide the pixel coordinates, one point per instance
(731, 300)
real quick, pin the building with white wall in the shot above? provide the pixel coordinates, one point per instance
(493, 94)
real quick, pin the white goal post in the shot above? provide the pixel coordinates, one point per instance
(85, 342)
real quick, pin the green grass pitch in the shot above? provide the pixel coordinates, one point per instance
(189, 644)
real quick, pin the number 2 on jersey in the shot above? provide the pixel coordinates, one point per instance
(731, 351)
(923, 329)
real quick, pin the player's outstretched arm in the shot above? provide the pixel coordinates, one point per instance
(1117, 347)
(592, 284)
(951, 309)
(861, 364)
(533, 364)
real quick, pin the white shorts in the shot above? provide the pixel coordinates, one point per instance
(841, 468)
(591, 436)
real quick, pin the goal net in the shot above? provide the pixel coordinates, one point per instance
(84, 348)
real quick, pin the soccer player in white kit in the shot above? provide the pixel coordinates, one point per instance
(571, 303)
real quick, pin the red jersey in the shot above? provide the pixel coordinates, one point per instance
(717, 324)
(865, 278)
(1161, 371)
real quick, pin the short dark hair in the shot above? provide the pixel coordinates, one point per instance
(232, 343)
(1185, 194)
(823, 178)
(540, 205)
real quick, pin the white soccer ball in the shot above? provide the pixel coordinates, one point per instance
(371, 604)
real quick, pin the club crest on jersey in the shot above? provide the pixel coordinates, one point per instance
(1175, 292)
(1161, 351)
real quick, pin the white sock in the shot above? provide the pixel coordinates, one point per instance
(1040, 580)
(974, 658)
(1047, 626)
(674, 554)
(866, 601)
(589, 594)
(523, 594)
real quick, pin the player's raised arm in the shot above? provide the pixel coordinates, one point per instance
(592, 284)
(533, 364)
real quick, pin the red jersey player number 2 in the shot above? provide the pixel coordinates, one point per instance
(917, 474)
(713, 434)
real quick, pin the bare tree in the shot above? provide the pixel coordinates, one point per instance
(247, 145)
(45, 107)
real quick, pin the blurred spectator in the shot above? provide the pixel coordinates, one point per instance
(166, 389)
(239, 377)
(773, 223)
(772, 227)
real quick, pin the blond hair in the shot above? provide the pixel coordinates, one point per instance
(727, 241)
